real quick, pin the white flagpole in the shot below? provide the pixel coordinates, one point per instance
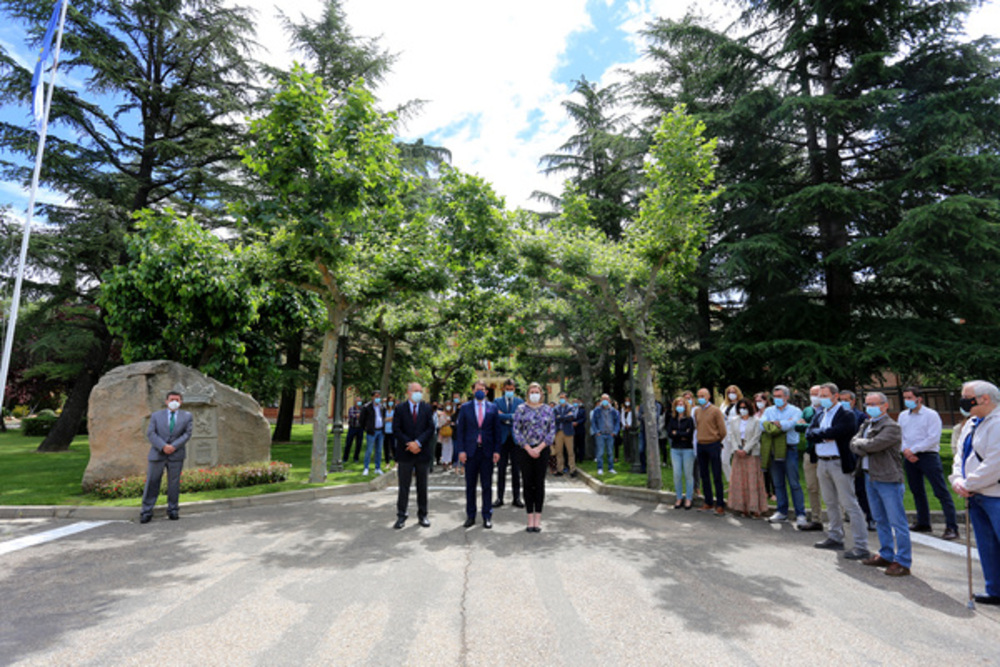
(16, 297)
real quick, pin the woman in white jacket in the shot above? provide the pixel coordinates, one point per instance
(747, 493)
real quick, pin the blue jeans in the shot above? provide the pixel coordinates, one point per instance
(374, 439)
(788, 469)
(886, 502)
(683, 464)
(984, 512)
(605, 444)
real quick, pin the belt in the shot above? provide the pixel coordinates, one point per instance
(829, 458)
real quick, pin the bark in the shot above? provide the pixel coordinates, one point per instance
(388, 354)
(286, 408)
(654, 479)
(75, 409)
(321, 402)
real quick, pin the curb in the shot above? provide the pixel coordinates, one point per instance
(99, 513)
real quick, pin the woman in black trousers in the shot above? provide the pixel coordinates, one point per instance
(534, 433)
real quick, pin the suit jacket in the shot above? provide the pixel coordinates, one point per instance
(506, 413)
(405, 430)
(841, 429)
(368, 416)
(565, 416)
(160, 435)
(468, 431)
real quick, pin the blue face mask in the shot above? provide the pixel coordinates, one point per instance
(680, 409)
(779, 402)
(701, 401)
(508, 394)
(480, 394)
(562, 401)
(378, 401)
(873, 411)
(417, 396)
(456, 400)
(605, 403)
(910, 404)
(845, 404)
(826, 403)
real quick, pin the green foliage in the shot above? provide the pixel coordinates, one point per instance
(198, 480)
(38, 425)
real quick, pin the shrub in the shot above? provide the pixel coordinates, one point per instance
(198, 479)
(46, 413)
(21, 411)
(39, 425)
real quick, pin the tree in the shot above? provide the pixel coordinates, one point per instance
(334, 220)
(165, 84)
(658, 250)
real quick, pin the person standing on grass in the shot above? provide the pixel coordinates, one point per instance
(534, 433)
(168, 433)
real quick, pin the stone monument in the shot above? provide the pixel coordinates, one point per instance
(229, 426)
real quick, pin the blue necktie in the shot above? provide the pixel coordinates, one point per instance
(967, 445)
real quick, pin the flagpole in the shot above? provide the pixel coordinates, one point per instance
(39, 154)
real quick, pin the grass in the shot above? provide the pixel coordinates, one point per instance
(624, 478)
(33, 478)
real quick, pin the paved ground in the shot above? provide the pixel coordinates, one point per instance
(608, 582)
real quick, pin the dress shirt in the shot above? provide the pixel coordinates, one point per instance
(378, 417)
(788, 416)
(921, 430)
(828, 447)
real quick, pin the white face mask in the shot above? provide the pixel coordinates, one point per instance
(534, 397)
(732, 397)
(744, 412)
(173, 405)
(814, 400)
(761, 405)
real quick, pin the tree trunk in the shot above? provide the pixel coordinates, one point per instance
(620, 376)
(388, 354)
(654, 479)
(75, 409)
(321, 402)
(286, 409)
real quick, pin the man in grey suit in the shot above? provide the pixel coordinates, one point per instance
(168, 433)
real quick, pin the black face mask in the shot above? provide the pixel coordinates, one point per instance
(967, 404)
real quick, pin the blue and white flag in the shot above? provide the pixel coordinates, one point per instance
(37, 88)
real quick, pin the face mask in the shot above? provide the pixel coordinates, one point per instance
(680, 409)
(814, 400)
(562, 401)
(910, 404)
(417, 396)
(605, 403)
(358, 403)
(761, 405)
(626, 404)
(744, 412)
(534, 397)
(173, 405)
(965, 413)
(779, 402)
(826, 403)
(480, 394)
(378, 401)
(874, 411)
(846, 405)
(456, 400)
(701, 401)
(967, 404)
(508, 394)
(732, 397)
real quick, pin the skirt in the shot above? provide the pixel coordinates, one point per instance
(747, 492)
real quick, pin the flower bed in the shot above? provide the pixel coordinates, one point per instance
(199, 479)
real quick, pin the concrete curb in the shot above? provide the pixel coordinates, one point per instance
(100, 513)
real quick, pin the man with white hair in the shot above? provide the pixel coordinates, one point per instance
(975, 476)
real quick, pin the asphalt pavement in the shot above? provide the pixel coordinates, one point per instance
(609, 581)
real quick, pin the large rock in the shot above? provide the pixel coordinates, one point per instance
(229, 426)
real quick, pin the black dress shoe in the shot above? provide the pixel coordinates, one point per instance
(830, 544)
(915, 528)
(145, 518)
(399, 523)
(470, 522)
(498, 503)
(517, 503)
(950, 534)
(424, 522)
(812, 526)
(173, 516)
(982, 598)
(487, 523)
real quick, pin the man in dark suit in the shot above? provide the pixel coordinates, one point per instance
(507, 405)
(413, 428)
(478, 450)
(168, 433)
(830, 434)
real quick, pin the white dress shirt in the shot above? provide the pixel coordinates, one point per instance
(828, 447)
(921, 430)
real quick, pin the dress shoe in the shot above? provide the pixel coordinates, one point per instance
(517, 502)
(916, 528)
(173, 516)
(857, 554)
(982, 598)
(679, 504)
(145, 518)
(707, 508)
(872, 527)
(876, 561)
(558, 474)
(399, 523)
(424, 523)
(829, 543)
(538, 529)
(487, 523)
(573, 474)
(897, 570)
(720, 511)
(498, 503)
(812, 526)
(950, 534)
(470, 522)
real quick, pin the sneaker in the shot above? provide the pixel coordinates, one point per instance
(600, 472)
(365, 472)
(378, 471)
(612, 472)
(800, 521)
(777, 517)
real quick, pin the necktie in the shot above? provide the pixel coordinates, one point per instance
(479, 413)
(967, 445)
(414, 411)
(171, 423)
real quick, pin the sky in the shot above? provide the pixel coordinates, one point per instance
(493, 75)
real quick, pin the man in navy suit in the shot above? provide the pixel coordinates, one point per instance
(413, 428)
(168, 433)
(478, 449)
(507, 405)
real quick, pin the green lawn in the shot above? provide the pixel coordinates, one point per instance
(625, 478)
(32, 478)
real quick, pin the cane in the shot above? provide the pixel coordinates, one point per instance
(968, 556)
